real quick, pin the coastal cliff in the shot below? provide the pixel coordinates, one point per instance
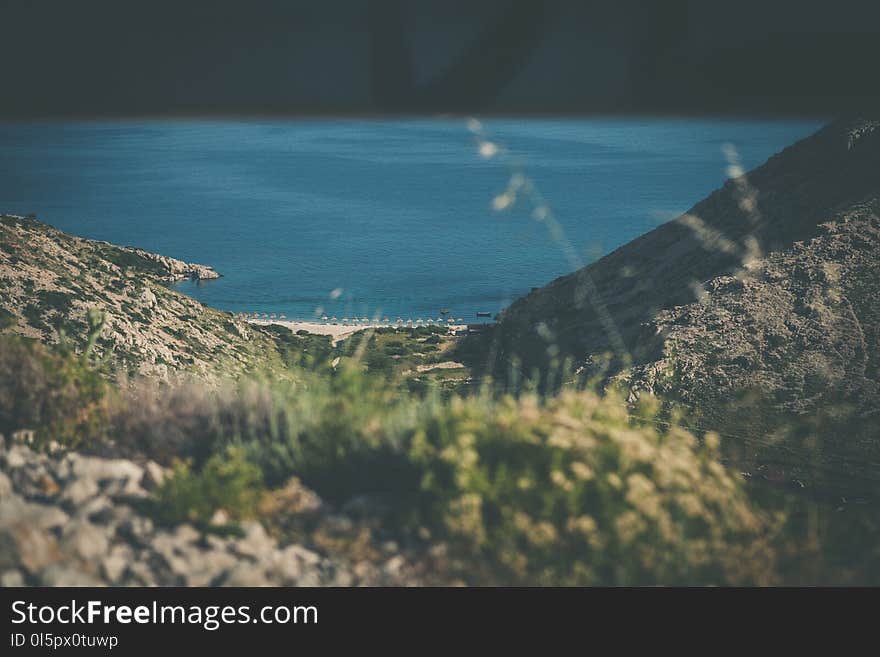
(50, 280)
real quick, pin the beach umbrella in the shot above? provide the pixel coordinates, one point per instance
(272, 315)
(323, 318)
(333, 319)
(265, 315)
(283, 316)
(385, 319)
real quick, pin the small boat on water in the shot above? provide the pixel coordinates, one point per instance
(481, 313)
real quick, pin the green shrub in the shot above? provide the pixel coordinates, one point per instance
(227, 482)
(571, 490)
(575, 489)
(7, 318)
(580, 492)
(55, 392)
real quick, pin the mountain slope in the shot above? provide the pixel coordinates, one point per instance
(49, 281)
(771, 283)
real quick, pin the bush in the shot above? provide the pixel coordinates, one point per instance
(7, 318)
(581, 492)
(227, 482)
(575, 489)
(56, 393)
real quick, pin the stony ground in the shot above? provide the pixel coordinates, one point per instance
(797, 324)
(68, 519)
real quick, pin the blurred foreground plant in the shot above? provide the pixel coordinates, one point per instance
(55, 392)
(227, 482)
(572, 489)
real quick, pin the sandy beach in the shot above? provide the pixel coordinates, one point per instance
(338, 331)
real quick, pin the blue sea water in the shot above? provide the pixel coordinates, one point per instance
(370, 217)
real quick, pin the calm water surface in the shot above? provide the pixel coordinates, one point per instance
(369, 217)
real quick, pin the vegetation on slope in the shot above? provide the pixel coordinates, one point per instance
(571, 489)
(50, 281)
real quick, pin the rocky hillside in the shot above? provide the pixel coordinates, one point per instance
(772, 280)
(49, 281)
(72, 520)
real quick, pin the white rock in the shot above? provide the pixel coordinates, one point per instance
(303, 554)
(66, 575)
(394, 566)
(85, 540)
(126, 474)
(186, 534)
(141, 574)
(256, 542)
(80, 490)
(148, 298)
(11, 578)
(24, 542)
(48, 517)
(18, 456)
(154, 475)
(5, 486)
(116, 562)
(245, 574)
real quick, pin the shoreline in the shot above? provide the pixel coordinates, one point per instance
(338, 331)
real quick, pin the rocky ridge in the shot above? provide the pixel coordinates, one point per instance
(50, 280)
(772, 280)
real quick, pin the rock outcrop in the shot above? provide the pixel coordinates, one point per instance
(178, 270)
(67, 519)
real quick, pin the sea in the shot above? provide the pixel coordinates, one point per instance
(402, 218)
